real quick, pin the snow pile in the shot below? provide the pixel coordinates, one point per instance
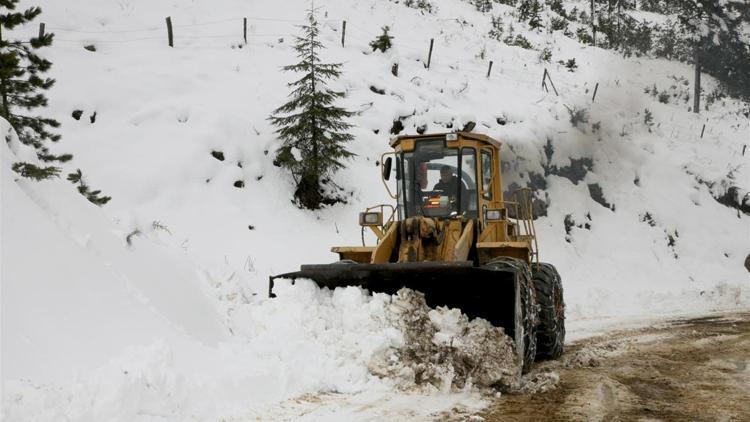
(442, 349)
(307, 339)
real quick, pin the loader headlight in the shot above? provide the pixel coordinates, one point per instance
(494, 215)
(370, 219)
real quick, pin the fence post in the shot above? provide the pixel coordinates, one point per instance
(489, 70)
(703, 130)
(343, 34)
(546, 76)
(596, 88)
(41, 30)
(244, 29)
(169, 31)
(429, 55)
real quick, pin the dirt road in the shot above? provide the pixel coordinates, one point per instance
(685, 370)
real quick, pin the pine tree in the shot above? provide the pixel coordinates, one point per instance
(383, 41)
(311, 128)
(21, 86)
(529, 10)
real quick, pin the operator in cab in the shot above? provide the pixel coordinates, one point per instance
(448, 183)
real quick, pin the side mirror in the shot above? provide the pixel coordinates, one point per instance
(387, 168)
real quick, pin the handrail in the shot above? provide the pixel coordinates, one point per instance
(524, 219)
(381, 208)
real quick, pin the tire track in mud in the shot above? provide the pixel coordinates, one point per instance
(694, 369)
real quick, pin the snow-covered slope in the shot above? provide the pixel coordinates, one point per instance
(75, 294)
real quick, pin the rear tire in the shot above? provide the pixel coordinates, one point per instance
(550, 335)
(529, 319)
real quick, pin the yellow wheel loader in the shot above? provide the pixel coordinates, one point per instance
(455, 238)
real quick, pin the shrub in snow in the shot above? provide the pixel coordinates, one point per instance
(311, 128)
(21, 89)
(530, 11)
(519, 41)
(570, 64)
(423, 5)
(648, 119)
(578, 115)
(558, 24)
(496, 32)
(383, 41)
(482, 5)
(583, 35)
(557, 7)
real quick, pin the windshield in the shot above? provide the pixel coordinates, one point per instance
(437, 181)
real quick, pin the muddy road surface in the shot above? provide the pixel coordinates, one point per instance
(684, 370)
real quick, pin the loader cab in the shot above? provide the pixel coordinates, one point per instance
(445, 176)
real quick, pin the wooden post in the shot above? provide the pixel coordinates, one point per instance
(489, 70)
(703, 130)
(743, 150)
(429, 55)
(170, 35)
(697, 93)
(546, 76)
(593, 24)
(41, 30)
(343, 33)
(596, 88)
(244, 29)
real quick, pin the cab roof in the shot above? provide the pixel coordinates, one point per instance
(466, 135)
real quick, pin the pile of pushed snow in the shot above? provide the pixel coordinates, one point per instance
(305, 341)
(394, 337)
(442, 349)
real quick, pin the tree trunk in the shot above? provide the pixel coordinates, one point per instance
(593, 24)
(4, 91)
(697, 93)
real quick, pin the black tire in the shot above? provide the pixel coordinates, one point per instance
(550, 335)
(529, 319)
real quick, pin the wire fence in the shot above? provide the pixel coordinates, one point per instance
(444, 63)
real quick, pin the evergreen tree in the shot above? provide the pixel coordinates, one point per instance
(383, 41)
(715, 31)
(530, 10)
(21, 86)
(312, 129)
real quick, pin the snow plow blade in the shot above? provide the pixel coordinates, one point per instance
(477, 292)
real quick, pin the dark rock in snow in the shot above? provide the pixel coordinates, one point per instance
(218, 155)
(598, 195)
(239, 184)
(397, 127)
(77, 114)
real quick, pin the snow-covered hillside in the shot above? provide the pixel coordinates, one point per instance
(154, 306)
